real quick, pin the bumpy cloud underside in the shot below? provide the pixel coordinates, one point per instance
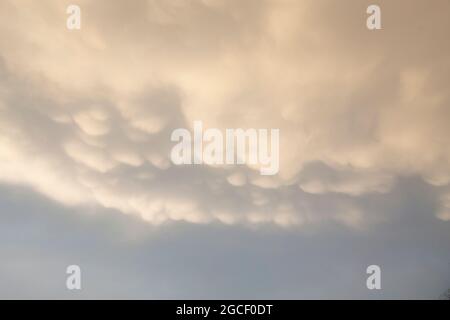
(86, 116)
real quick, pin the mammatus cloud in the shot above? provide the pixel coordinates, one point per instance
(86, 116)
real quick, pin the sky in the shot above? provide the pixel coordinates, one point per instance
(86, 178)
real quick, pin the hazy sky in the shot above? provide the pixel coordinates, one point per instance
(86, 178)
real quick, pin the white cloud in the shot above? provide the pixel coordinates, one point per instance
(85, 116)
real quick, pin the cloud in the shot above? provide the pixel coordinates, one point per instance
(86, 115)
(444, 213)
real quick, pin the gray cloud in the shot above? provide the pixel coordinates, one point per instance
(122, 258)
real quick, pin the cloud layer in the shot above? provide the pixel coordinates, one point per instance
(86, 116)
